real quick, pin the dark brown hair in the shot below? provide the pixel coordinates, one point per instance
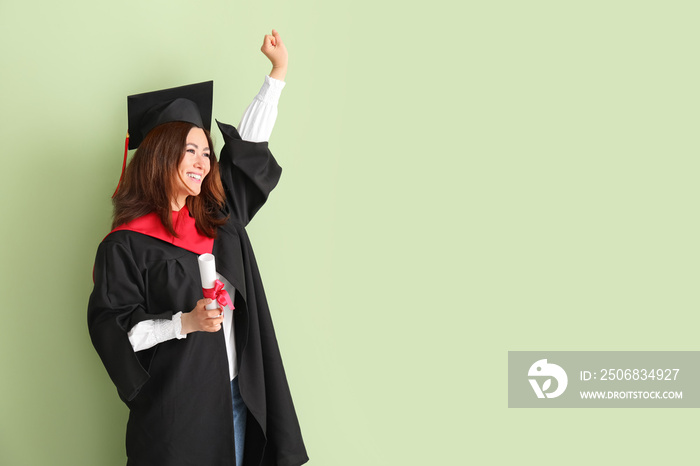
(151, 177)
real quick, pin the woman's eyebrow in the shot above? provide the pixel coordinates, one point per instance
(195, 145)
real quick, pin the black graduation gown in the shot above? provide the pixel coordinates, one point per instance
(178, 392)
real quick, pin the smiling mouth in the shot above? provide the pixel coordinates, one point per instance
(195, 176)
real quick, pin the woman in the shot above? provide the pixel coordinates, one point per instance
(204, 387)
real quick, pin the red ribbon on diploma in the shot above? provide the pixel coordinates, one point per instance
(219, 294)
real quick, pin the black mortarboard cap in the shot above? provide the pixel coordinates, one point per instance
(190, 103)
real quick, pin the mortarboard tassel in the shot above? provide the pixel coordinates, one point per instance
(126, 150)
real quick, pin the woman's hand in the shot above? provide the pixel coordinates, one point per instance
(276, 52)
(202, 319)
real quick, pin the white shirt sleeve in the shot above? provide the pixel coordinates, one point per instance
(260, 116)
(149, 333)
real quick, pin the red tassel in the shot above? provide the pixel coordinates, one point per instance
(126, 150)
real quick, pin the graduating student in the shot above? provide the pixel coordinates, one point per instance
(204, 387)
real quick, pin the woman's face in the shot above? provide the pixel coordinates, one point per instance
(193, 167)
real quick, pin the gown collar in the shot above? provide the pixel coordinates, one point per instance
(188, 237)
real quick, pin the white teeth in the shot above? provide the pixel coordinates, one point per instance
(196, 177)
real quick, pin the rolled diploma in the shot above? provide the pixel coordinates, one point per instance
(207, 272)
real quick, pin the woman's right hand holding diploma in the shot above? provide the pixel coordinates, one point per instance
(201, 319)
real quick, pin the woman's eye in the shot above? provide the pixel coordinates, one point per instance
(191, 151)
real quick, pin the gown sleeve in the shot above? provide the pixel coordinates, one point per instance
(116, 304)
(249, 173)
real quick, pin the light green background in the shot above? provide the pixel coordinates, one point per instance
(461, 179)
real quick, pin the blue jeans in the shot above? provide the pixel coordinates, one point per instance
(240, 413)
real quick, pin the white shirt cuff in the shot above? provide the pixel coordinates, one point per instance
(177, 324)
(149, 333)
(271, 90)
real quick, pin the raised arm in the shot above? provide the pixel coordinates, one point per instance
(259, 118)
